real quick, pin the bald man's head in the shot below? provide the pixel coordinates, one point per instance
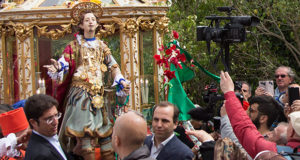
(130, 130)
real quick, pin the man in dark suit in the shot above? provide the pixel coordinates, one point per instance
(164, 145)
(43, 117)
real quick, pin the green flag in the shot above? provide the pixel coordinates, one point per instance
(177, 94)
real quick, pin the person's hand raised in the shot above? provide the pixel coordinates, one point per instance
(296, 105)
(23, 139)
(201, 135)
(226, 82)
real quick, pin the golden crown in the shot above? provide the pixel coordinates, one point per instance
(79, 8)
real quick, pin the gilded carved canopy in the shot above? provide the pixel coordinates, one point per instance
(26, 34)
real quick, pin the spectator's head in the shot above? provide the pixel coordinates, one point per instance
(14, 121)
(129, 133)
(246, 89)
(284, 77)
(42, 114)
(279, 134)
(264, 111)
(165, 117)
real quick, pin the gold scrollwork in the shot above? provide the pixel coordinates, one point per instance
(55, 33)
(130, 27)
(22, 32)
(162, 24)
(147, 25)
(109, 29)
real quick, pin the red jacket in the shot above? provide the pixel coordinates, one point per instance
(244, 129)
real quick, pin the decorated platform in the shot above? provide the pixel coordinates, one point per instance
(33, 31)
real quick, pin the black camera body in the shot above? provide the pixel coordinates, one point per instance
(234, 31)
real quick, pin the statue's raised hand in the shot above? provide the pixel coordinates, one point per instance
(54, 66)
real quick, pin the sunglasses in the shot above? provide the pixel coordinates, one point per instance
(282, 76)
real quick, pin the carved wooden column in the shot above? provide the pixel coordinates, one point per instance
(3, 68)
(26, 64)
(130, 58)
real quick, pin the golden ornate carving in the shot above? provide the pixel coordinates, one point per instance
(109, 29)
(162, 24)
(55, 33)
(22, 32)
(147, 25)
(130, 27)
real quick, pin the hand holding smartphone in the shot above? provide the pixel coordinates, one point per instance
(293, 93)
(268, 86)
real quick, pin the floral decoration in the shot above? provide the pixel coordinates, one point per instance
(170, 56)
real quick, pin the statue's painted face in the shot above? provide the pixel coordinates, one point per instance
(89, 23)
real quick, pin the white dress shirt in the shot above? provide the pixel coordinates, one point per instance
(54, 142)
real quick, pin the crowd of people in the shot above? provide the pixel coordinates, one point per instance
(264, 130)
(261, 126)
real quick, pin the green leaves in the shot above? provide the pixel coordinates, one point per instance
(268, 46)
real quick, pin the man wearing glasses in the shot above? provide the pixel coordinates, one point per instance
(284, 77)
(43, 118)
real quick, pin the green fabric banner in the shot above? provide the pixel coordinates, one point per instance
(177, 94)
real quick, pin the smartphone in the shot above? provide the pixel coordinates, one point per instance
(267, 85)
(293, 93)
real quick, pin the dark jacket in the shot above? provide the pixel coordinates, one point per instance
(141, 153)
(173, 150)
(39, 148)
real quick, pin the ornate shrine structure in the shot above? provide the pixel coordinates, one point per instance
(33, 31)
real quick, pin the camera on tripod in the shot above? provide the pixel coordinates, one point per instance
(234, 31)
(211, 95)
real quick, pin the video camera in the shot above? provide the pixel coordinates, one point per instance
(232, 32)
(211, 95)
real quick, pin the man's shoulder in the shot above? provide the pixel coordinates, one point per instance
(148, 140)
(178, 147)
(36, 142)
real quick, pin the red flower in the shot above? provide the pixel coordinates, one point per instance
(169, 74)
(165, 61)
(175, 61)
(173, 47)
(158, 60)
(175, 35)
(181, 57)
(168, 51)
(161, 48)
